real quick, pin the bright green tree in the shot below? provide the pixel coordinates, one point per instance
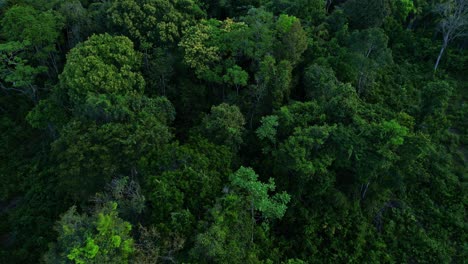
(29, 49)
(16, 74)
(292, 39)
(236, 76)
(36, 29)
(245, 180)
(98, 238)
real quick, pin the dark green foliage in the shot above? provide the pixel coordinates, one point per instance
(190, 178)
(229, 8)
(310, 11)
(230, 236)
(233, 131)
(224, 126)
(367, 13)
(115, 149)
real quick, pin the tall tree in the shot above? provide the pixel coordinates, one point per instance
(368, 53)
(453, 24)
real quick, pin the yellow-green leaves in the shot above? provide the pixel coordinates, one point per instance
(99, 73)
(156, 22)
(200, 52)
(103, 64)
(209, 47)
(98, 238)
(81, 255)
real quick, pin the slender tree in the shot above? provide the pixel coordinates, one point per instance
(454, 23)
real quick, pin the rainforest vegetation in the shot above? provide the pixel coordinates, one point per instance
(233, 131)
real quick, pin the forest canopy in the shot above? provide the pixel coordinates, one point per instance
(233, 131)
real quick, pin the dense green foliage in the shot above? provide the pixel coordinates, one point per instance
(233, 131)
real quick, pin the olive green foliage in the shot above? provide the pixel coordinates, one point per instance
(217, 49)
(367, 54)
(109, 119)
(100, 72)
(224, 125)
(115, 148)
(155, 21)
(318, 81)
(210, 43)
(233, 131)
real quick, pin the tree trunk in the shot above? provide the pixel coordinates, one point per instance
(253, 220)
(364, 190)
(146, 60)
(360, 83)
(52, 131)
(328, 5)
(439, 57)
(53, 62)
(163, 84)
